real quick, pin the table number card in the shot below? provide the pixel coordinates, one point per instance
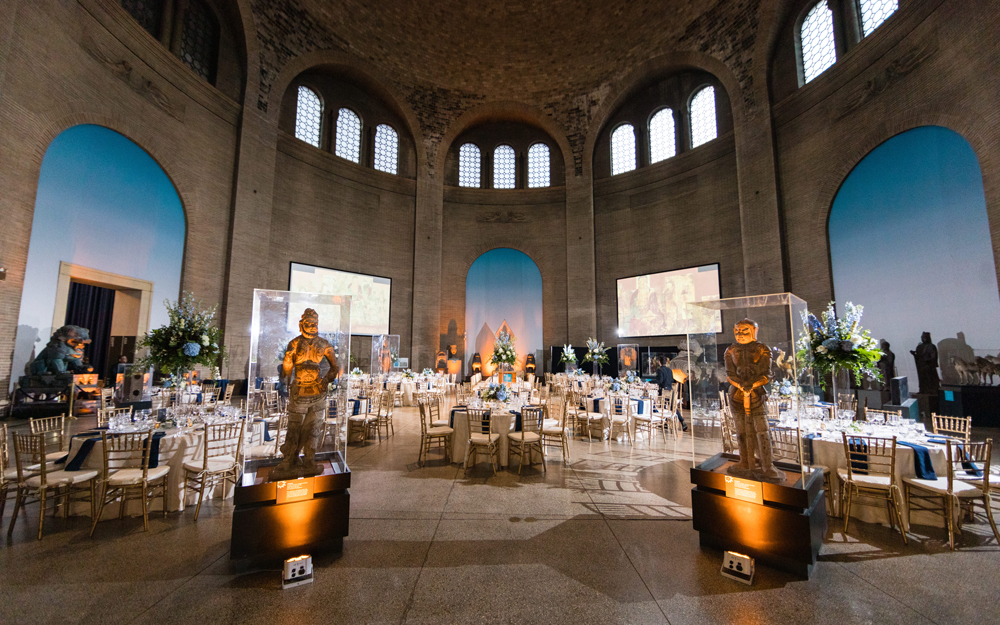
(744, 490)
(295, 490)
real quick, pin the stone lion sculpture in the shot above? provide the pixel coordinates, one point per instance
(64, 353)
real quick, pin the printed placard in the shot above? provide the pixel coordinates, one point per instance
(296, 490)
(745, 490)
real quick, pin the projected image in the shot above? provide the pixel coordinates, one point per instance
(369, 294)
(657, 304)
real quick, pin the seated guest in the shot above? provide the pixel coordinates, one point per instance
(665, 380)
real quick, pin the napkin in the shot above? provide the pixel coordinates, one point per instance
(922, 465)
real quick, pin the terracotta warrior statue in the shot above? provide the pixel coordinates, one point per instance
(306, 398)
(748, 369)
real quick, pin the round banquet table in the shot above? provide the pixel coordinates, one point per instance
(177, 446)
(829, 452)
(501, 422)
(598, 404)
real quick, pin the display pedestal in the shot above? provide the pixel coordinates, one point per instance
(785, 530)
(982, 403)
(310, 521)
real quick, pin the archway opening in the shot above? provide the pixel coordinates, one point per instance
(910, 240)
(503, 286)
(106, 217)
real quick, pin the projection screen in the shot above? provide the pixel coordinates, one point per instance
(656, 304)
(370, 295)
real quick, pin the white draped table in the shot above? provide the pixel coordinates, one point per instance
(501, 422)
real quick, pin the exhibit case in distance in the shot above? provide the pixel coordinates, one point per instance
(294, 508)
(133, 384)
(628, 358)
(385, 353)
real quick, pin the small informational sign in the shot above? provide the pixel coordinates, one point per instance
(744, 490)
(402, 363)
(295, 490)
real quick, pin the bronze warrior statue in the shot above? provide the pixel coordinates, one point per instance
(748, 369)
(306, 398)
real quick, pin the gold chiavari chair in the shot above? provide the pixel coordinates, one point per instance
(53, 432)
(271, 448)
(480, 435)
(127, 475)
(554, 430)
(434, 412)
(619, 412)
(104, 416)
(786, 444)
(365, 421)
(529, 438)
(8, 472)
(35, 480)
(956, 427)
(955, 495)
(107, 397)
(870, 471)
(222, 449)
(227, 397)
(730, 444)
(651, 421)
(589, 418)
(387, 403)
(439, 435)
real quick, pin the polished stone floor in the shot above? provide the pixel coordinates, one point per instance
(605, 537)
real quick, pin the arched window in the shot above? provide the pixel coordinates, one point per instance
(662, 137)
(703, 122)
(148, 13)
(874, 12)
(538, 166)
(199, 47)
(503, 167)
(622, 149)
(308, 116)
(349, 135)
(468, 166)
(386, 149)
(818, 48)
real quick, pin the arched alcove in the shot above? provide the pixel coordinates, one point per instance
(910, 240)
(503, 285)
(106, 214)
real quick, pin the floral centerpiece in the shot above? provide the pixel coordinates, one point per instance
(597, 353)
(614, 385)
(786, 389)
(568, 356)
(503, 351)
(189, 339)
(427, 371)
(356, 371)
(839, 344)
(496, 392)
(408, 374)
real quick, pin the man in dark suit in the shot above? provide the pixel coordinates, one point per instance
(665, 380)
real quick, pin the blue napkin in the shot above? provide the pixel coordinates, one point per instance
(267, 432)
(970, 467)
(451, 420)
(640, 404)
(355, 406)
(517, 418)
(808, 438)
(859, 462)
(921, 461)
(88, 445)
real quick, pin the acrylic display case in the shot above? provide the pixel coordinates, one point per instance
(133, 384)
(385, 353)
(628, 358)
(284, 509)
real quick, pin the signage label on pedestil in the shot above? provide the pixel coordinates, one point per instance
(744, 490)
(295, 490)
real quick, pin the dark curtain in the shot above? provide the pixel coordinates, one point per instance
(92, 307)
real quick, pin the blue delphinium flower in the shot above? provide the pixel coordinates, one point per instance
(191, 349)
(846, 346)
(831, 343)
(615, 386)
(502, 394)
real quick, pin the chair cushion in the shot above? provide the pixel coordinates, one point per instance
(123, 477)
(261, 451)
(557, 431)
(478, 438)
(440, 430)
(867, 481)
(440, 423)
(592, 416)
(527, 437)
(550, 423)
(215, 465)
(360, 418)
(11, 473)
(62, 477)
(52, 456)
(940, 486)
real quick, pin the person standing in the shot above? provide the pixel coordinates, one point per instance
(665, 380)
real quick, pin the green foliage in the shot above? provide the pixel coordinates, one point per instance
(172, 348)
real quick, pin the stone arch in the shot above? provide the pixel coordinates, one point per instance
(504, 111)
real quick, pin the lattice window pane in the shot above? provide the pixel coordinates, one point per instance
(538, 166)
(200, 39)
(874, 12)
(147, 12)
(622, 149)
(662, 137)
(349, 135)
(504, 163)
(703, 121)
(818, 48)
(468, 166)
(308, 116)
(386, 149)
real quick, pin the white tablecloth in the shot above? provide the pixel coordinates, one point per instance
(501, 422)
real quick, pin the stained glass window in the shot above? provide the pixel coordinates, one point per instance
(386, 149)
(200, 39)
(662, 137)
(538, 166)
(504, 163)
(622, 149)
(147, 12)
(703, 121)
(348, 135)
(818, 48)
(308, 116)
(468, 166)
(874, 12)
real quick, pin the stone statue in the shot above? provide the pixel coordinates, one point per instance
(926, 356)
(748, 369)
(306, 398)
(64, 353)
(886, 364)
